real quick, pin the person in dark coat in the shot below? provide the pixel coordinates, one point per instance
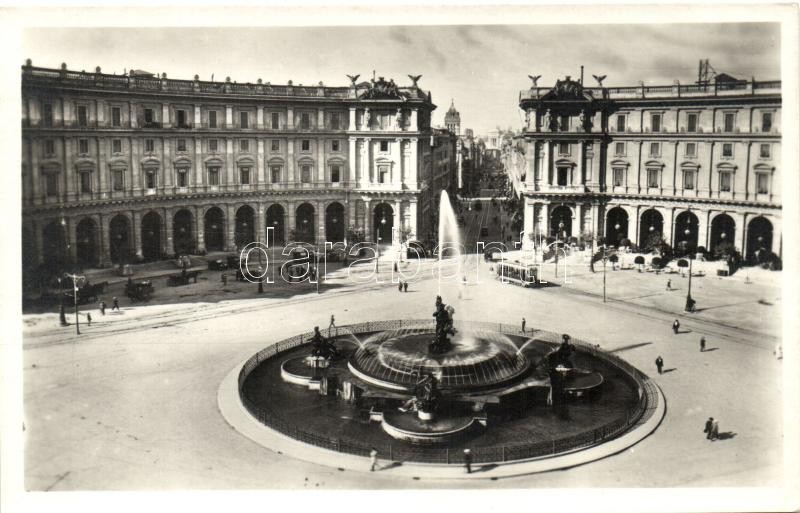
(523, 325)
(660, 364)
(405, 286)
(102, 307)
(88, 318)
(702, 344)
(709, 428)
(115, 304)
(676, 326)
(669, 284)
(468, 460)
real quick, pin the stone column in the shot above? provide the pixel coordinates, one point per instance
(132, 114)
(579, 179)
(70, 229)
(291, 218)
(290, 162)
(105, 240)
(67, 153)
(230, 179)
(633, 224)
(320, 119)
(398, 216)
(260, 118)
(320, 231)
(413, 124)
(351, 124)
(165, 121)
(739, 240)
(260, 222)
(669, 225)
(290, 118)
(412, 218)
(777, 235)
(710, 169)
(368, 235)
(137, 234)
(597, 155)
(702, 227)
(229, 116)
(230, 228)
(200, 225)
(169, 247)
(396, 156)
(413, 168)
(102, 167)
(529, 216)
(321, 161)
(198, 163)
(198, 118)
(351, 215)
(351, 156)
(136, 183)
(260, 182)
(545, 174)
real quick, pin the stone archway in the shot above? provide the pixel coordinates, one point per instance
(276, 219)
(54, 246)
(616, 226)
(723, 234)
(651, 228)
(383, 222)
(759, 236)
(120, 239)
(334, 222)
(304, 229)
(561, 222)
(245, 228)
(686, 228)
(151, 236)
(86, 239)
(183, 232)
(214, 232)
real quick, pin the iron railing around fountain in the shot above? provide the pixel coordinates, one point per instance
(645, 406)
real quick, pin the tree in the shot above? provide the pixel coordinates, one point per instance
(683, 264)
(656, 263)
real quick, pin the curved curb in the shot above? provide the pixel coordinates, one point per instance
(235, 414)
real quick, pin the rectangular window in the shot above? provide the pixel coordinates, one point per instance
(563, 148)
(335, 121)
(86, 181)
(655, 149)
(383, 174)
(116, 146)
(117, 177)
(691, 149)
(149, 146)
(562, 176)
(276, 174)
(688, 179)
(619, 174)
(564, 123)
(213, 175)
(305, 122)
(182, 174)
(621, 118)
(244, 120)
(51, 184)
(691, 122)
(244, 145)
(305, 175)
(275, 145)
(150, 179)
(181, 144)
(619, 149)
(180, 116)
(49, 147)
(83, 146)
(384, 146)
(725, 181)
(766, 121)
(729, 119)
(655, 122)
(212, 145)
(305, 145)
(116, 116)
(47, 114)
(244, 175)
(727, 149)
(652, 177)
(212, 119)
(764, 151)
(335, 170)
(149, 115)
(762, 183)
(334, 145)
(83, 116)
(276, 120)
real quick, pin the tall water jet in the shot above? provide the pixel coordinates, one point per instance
(449, 236)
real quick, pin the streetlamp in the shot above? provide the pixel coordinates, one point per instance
(378, 238)
(605, 259)
(689, 301)
(558, 239)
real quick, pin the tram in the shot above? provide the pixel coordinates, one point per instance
(526, 275)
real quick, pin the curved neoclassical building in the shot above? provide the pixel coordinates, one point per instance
(630, 162)
(119, 167)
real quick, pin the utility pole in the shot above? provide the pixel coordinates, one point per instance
(75, 279)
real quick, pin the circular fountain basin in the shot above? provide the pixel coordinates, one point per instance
(477, 360)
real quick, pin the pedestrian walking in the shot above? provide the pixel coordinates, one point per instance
(400, 286)
(468, 460)
(224, 278)
(373, 458)
(676, 325)
(102, 307)
(88, 319)
(333, 322)
(715, 429)
(669, 284)
(702, 344)
(115, 303)
(405, 286)
(660, 364)
(395, 267)
(523, 325)
(709, 428)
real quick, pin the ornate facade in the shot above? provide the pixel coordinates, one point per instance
(691, 163)
(118, 168)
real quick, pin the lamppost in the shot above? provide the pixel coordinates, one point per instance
(378, 238)
(558, 239)
(689, 301)
(75, 280)
(605, 259)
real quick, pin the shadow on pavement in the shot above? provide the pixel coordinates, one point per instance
(726, 435)
(631, 346)
(670, 370)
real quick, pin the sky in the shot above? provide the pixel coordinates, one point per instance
(482, 68)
